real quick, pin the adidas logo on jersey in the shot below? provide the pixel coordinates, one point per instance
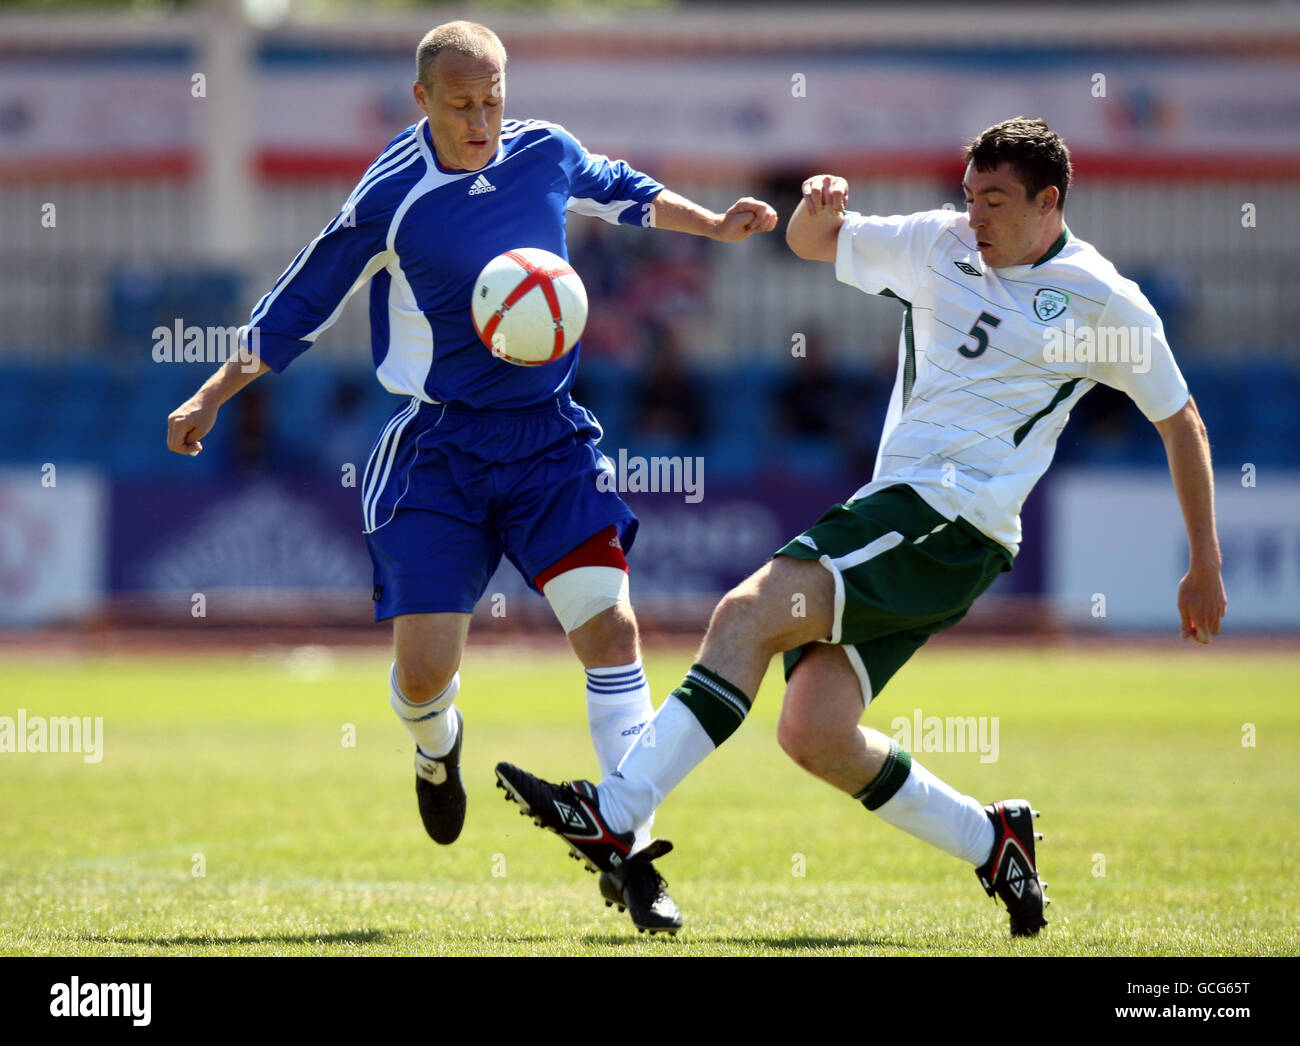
(481, 185)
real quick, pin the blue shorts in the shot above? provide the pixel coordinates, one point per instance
(447, 492)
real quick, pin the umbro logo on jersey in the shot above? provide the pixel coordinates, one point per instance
(804, 539)
(481, 185)
(968, 269)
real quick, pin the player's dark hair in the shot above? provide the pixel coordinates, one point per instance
(1036, 151)
(467, 38)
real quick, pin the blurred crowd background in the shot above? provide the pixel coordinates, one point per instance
(161, 164)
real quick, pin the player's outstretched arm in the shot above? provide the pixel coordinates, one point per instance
(814, 229)
(742, 220)
(193, 419)
(1202, 601)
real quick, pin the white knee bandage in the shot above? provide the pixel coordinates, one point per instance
(580, 594)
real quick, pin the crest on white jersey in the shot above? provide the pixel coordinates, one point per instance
(1049, 303)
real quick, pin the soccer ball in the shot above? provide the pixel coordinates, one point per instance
(529, 306)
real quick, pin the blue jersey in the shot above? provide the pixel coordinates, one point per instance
(420, 235)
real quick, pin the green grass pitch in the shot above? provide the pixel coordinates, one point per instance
(1165, 834)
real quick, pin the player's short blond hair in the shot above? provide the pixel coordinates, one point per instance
(467, 38)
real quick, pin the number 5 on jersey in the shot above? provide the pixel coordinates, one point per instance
(980, 334)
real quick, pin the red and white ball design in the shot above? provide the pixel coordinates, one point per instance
(529, 306)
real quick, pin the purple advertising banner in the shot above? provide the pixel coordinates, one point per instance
(275, 534)
(266, 534)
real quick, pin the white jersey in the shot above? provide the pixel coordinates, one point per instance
(991, 361)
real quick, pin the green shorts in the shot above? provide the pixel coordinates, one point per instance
(902, 573)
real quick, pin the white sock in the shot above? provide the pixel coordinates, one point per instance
(618, 708)
(938, 814)
(668, 749)
(433, 730)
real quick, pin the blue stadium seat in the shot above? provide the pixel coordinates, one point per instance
(731, 459)
(1270, 430)
(741, 404)
(110, 411)
(143, 297)
(605, 388)
(16, 392)
(299, 402)
(809, 457)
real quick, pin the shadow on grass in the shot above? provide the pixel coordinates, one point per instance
(808, 943)
(214, 941)
(755, 942)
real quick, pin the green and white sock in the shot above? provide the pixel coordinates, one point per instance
(697, 717)
(906, 795)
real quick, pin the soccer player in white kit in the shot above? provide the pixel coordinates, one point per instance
(1009, 320)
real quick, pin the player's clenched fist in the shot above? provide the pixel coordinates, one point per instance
(825, 192)
(744, 218)
(188, 424)
(1202, 603)
(194, 418)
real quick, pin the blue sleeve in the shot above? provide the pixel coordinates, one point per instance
(310, 294)
(605, 188)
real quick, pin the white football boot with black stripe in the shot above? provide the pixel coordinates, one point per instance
(1010, 873)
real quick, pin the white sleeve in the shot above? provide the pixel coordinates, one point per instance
(878, 254)
(1139, 362)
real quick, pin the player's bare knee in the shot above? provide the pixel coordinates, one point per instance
(731, 613)
(820, 713)
(608, 638)
(594, 609)
(790, 736)
(424, 680)
(427, 650)
(784, 605)
(616, 624)
(802, 739)
(740, 618)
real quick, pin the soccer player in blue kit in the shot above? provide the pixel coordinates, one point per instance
(482, 458)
